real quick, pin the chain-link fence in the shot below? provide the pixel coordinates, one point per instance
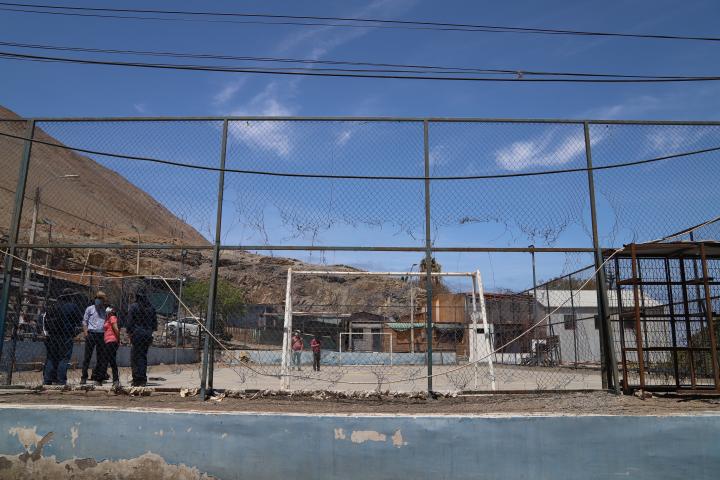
(190, 227)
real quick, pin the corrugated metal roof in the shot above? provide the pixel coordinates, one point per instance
(402, 326)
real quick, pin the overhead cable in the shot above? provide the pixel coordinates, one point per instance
(348, 22)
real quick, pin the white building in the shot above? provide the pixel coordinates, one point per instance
(575, 322)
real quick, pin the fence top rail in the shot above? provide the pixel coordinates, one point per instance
(365, 119)
(317, 248)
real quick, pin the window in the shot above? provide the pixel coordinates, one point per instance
(569, 321)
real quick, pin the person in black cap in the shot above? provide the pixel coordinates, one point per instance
(62, 323)
(142, 322)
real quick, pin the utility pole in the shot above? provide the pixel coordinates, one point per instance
(534, 308)
(137, 262)
(33, 230)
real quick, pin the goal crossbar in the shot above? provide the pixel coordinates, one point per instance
(385, 274)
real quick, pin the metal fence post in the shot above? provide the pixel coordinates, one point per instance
(709, 317)
(206, 379)
(607, 346)
(428, 260)
(14, 231)
(178, 315)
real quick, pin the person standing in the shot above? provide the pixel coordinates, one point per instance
(94, 330)
(316, 346)
(111, 337)
(297, 348)
(142, 322)
(62, 323)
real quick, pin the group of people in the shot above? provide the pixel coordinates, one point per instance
(297, 346)
(101, 331)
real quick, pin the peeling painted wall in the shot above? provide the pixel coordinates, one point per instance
(90, 442)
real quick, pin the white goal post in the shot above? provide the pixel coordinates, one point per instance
(480, 338)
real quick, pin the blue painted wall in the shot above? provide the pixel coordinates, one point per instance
(277, 446)
(330, 357)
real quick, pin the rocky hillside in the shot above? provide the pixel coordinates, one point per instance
(79, 208)
(98, 205)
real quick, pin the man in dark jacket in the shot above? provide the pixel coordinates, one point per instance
(142, 322)
(62, 322)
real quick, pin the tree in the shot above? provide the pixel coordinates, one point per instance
(229, 300)
(435, 267)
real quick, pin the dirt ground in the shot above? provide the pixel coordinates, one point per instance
(538, 403)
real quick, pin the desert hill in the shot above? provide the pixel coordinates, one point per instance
(78, 209)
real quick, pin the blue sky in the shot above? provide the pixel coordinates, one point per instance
(36, 89)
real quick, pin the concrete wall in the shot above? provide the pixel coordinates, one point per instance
(295, 446)
(28, 354)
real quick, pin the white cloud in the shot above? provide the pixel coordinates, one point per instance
(140, 107)
(439, 155)
(229, 91)
(277, 96)
(325, 38)
(545, 150)
(632, 107)
(669, 140)
(270, 136)
(343, 137)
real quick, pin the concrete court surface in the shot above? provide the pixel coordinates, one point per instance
(357, 378)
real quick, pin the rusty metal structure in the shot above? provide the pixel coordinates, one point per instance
(666, 321)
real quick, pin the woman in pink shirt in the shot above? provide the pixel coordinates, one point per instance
(112, 342)
(297, 348)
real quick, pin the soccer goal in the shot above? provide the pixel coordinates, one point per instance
(378, 328)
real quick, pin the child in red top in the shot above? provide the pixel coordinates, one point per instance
(316, 346)
(112, 342)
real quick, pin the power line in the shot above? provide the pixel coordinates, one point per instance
(206, 20)
(361, 177)
(347, 74)
(364, 22)
(406, 67)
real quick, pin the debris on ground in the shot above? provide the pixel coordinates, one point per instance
(643, 394)
(189, 392)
